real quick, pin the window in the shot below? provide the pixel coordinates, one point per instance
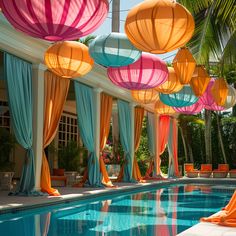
(68, 130)
(4, 115)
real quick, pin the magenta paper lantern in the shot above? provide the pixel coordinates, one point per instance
(190, 110)
(147, 72)
(55, 20)
(207, 99)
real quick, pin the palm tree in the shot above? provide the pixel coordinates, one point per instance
(213, 41)
(87, 40)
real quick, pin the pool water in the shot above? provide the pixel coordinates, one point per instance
(165, 212)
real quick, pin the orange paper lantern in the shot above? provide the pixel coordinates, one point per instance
(145, 96)
(184, 65)
(219, 91)
(68, 59)
(172, 85)
(162, 109)
(200, 80)
(159, 26)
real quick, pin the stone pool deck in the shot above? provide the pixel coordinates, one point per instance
(10, 204)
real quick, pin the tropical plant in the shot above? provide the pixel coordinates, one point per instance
(87, 40)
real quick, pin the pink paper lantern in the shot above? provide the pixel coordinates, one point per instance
(207, 99)
(190, 110)
(147, 72)
(55, 20)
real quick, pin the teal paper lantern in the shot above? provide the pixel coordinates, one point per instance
(185, 97)
(113, 50)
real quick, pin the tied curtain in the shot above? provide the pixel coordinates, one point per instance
(18, 74)
(173, 170)
(151, 145)
(106, 110)
(226, 217)
(86, 122)
(138, 122)
(124, 117)
(56, 90)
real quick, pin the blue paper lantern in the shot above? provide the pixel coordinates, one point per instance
(113, 50)
(185, 97)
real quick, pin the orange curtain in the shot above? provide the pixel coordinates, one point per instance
(138, 121)
(226, 217)
(55, 90)
(162, 139)
(106, 110)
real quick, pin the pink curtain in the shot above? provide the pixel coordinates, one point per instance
(162, 139)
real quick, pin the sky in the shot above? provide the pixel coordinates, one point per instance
(125, 6)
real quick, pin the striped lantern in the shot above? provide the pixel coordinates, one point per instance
(55, 20)
(147, 72)
(231, 98)
(190, 110)
(162, 109)
(113, 50)
(145, 96)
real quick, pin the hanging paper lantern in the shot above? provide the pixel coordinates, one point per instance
(147, 72)
(145, 96)
(113, 50)
(68, 59)
(231, 98)
(219, 91)
(56, 20)
(172, 85)
(199, 80)
(159, 26)
(190, 110)
(207, 99)
(184, 65)
(162, 109)
(185, 97)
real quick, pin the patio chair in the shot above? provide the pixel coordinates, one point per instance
(206, 170)
(221, 172)
(232, 173)
(58, 178)
(189, 170)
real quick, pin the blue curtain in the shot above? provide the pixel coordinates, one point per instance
(124, 117)
(18, 75)
(86, 122)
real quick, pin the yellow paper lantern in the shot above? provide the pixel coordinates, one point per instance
(200, 80)
(68, 59)
(184, 65)
(172, 85)
(162, 109)
(219, 91)
(145, 96)
(159, 26)
(231, 98)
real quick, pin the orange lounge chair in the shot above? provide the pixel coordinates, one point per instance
(221, 172)
(189, 170)
(58, 178)
(206, 170)
(232, 173)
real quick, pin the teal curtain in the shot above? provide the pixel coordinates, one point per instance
(18, 75)
(86, 122)
(124, 117)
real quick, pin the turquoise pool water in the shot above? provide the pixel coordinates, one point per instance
(165, 212)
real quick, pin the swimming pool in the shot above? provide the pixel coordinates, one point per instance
(164, 211)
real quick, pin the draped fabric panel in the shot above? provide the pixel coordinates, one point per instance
(151, 145)
(18, 75)
(138, 122)
(124, 116)
(162, 137)
(226, 217)
(173, 170)
(86, 122)
(106, 110)
(56, 90)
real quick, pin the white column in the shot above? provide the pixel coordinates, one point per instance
(132, 106)
(157, 161)
(38, 117)
(97, 102)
